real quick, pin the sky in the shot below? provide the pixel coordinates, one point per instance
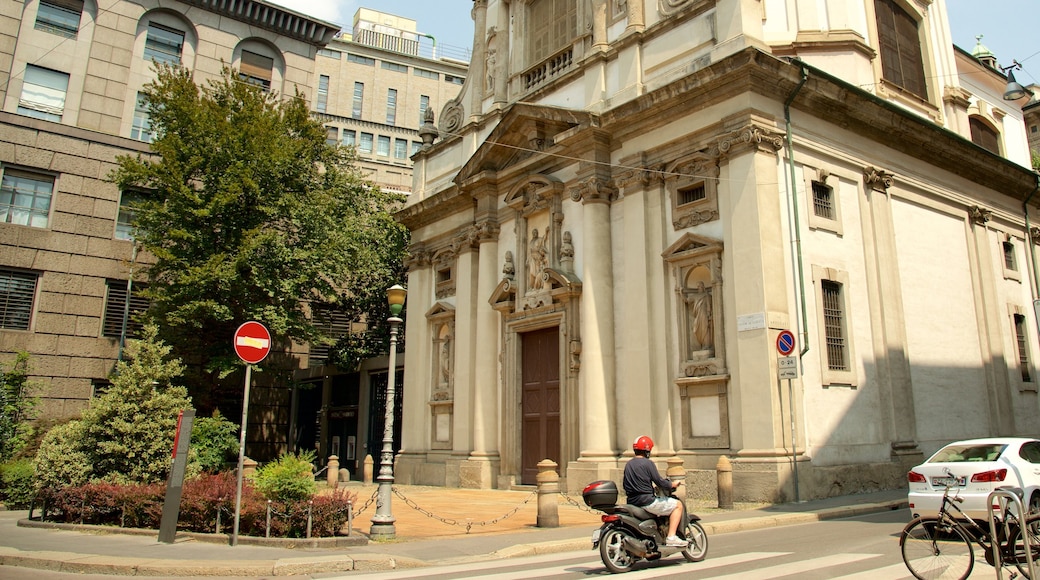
(1009, 27)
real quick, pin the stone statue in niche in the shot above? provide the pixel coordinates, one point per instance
(445, 362)
(537, 259)
(702, 325)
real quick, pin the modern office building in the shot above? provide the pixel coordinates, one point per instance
(633, 203)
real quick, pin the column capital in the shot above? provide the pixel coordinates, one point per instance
(877, 179)
(594, 190)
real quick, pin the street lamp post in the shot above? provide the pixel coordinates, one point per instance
(383, 520)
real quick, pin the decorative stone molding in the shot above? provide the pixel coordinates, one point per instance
(877, 179)
(636, 178)
(978, 215)
(593, 190)
(418, 257)
(672, 7)
(748, 137)
(1034, 235)
(452, 117)
(509, 269)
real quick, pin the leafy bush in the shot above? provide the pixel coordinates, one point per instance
(16, 406)
(214, 441)
(290, 478)
(62, 459)
(17, 483)
(108, 504)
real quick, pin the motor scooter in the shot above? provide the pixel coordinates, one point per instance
(630, 533)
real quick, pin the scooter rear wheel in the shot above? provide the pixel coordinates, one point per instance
(696, 540)
(612, 551)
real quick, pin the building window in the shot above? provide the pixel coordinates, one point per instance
(334, 54)
(837, 354)
(366, 143)
(691, 194)
(127, 214)
(395, 67)
(1023, 348)
(43, 93)
(834, 325)
(823, 200)
(361, 59)
(323, 94)
(551, 25)
(17, 291)
(25, 198)
(902, 62)
(391, 107)
(424, 103)
(426, 74)
(983, 135)
(347, 138)
(416, 146)
(1009, 255)
(454, 79)
(359, 97)
(59, 17)
(256, 69)
(383, 146)
(163, 44)
(116, 309)
(141, 128)
(400, 149)
(331, 135)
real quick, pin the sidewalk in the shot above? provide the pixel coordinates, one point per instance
(501, 525)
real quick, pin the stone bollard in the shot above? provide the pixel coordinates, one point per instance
(248, 467)
(367, 473)
(724, 469)
(332, 473)
(344, 475)
(548, 488)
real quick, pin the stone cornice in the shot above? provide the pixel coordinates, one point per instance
(274, 18)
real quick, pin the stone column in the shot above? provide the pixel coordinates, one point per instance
(478, 62)
(485, 366)
(502, 56)
(415, 419)
(636, 16)
(599, 24)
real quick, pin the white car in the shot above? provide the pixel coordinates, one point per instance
(972, 469)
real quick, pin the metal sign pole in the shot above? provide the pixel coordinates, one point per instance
(794, 440)
(241, 455)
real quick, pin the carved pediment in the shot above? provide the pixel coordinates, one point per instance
(691, 245)
(441, 309)
(535, 192)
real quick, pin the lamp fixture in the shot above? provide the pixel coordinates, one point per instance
(395, 297)
(1014, 91)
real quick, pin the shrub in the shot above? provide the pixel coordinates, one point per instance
(17, 483)
(214, 440)
(108, 504)
(16, 406)
(62, 460)
(290, 478)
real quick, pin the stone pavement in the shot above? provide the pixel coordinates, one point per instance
(434, 525)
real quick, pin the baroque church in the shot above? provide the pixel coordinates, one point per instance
(630, 201)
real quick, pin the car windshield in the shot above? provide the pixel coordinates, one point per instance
(974, 452)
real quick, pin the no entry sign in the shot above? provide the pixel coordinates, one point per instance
(252, 342)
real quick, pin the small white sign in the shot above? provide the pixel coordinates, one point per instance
(751, 321)
(788, 362)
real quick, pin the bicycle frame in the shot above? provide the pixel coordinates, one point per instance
(1011, 498)
(985, 539)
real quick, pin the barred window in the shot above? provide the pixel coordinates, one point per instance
(116, 309)
(59, 17)
(692, 194)
(834, 326)
(17, 291)
(823, 200)
(1009, 256)
(1023, 348)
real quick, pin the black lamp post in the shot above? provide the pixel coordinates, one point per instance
(383, 520)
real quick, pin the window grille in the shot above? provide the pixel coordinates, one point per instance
(692, 194)
(115, 305)
(834, 326)
(823, 200)
(17, 291)
(1023, 348)
(1009, 256)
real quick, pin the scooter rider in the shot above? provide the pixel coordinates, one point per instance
(640, 476)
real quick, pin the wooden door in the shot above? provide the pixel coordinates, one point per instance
(540, 402)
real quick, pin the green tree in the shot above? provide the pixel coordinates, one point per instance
(126, 436)
(214, 440)
(16, 406)
(250, 215)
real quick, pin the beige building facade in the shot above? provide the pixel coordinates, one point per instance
(630, 201)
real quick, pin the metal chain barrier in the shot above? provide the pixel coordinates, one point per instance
(574, 503)
(361, 509)
(469, 523)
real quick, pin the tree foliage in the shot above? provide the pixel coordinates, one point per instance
(126, 436)
(250, 215)
(16, 406)
(214, 440)
(290, 478)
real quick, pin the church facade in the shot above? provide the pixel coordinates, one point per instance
(628, 204)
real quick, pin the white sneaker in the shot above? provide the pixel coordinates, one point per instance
(674, 542)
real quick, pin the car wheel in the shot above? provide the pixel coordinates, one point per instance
(1034, 503)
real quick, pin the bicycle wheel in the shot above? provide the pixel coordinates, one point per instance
(1019, 554)
(935, 551)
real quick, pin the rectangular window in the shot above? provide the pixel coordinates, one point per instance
(256, 69)
(454, 80)
(426, 74)
(424, 103)
(902, 63)
(551, 25)
(400, 149)
(127, 213)
(1009, 256)
(323, 94)
(43, 93)
(331, 135)
(334, 54)
(1023, 348)
(383, 147)
(416, 146)
(359, 97)
(59, 17)
(347, 138)
(361, 59)
(163, 44)
(823, 200)
(141, 129)
(692, 194)
(25, 198)
(116, 309)
(366, 143)
(391, 107)
(395, 67)
(17, 291)
(834, 326)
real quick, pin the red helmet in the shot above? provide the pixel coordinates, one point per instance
(643, 443)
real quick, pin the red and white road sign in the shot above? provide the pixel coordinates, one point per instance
(252, 342)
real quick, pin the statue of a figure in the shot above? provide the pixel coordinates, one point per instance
(701, 316)
(537, 260)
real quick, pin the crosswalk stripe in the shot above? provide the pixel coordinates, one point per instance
(893, 572)
(799, 567)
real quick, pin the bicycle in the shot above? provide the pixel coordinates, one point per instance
(940, 547)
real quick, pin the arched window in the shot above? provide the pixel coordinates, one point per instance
(902, 58)
(983, 135)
